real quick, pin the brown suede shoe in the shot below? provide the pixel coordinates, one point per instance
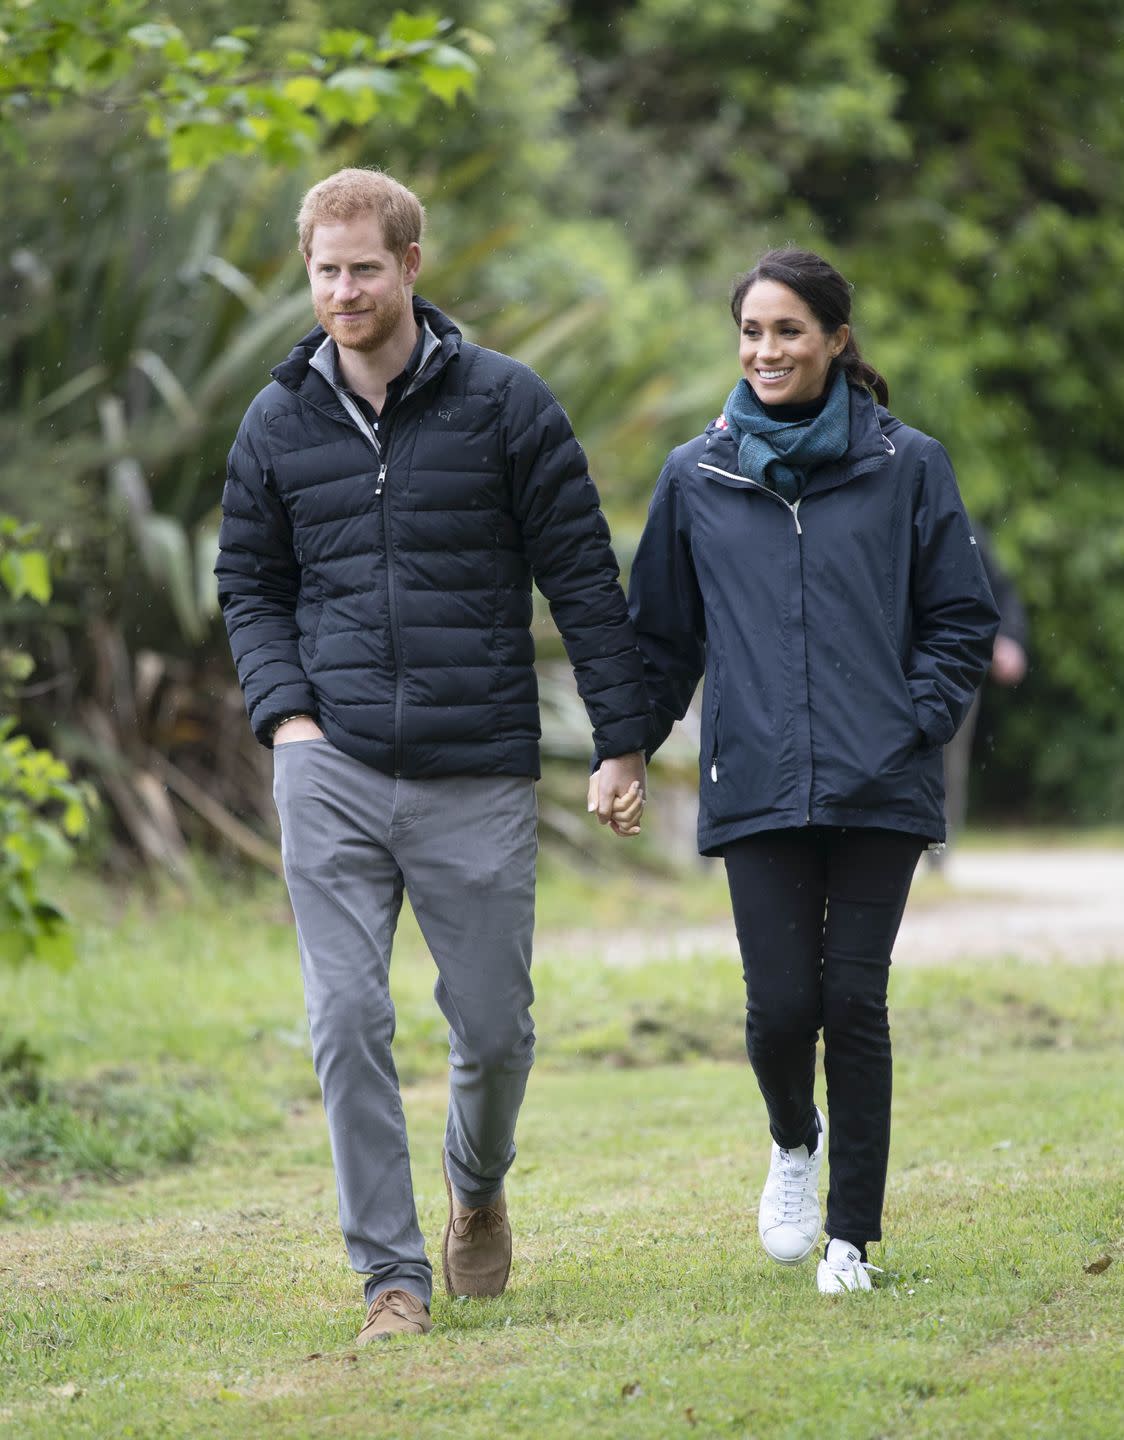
(394, 1312)
(476, 1246)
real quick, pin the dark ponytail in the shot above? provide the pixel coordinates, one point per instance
(826, 294)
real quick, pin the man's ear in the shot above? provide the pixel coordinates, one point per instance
(411, 263)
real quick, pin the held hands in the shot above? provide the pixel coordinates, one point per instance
(617, 794)
(628, 809)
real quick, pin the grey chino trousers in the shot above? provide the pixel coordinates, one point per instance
(464, 849)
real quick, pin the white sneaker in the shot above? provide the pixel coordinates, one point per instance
(842, 1269)
(788, 1218)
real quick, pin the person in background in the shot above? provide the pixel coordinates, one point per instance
(389, 497)
(1008, 669)
(810, 553)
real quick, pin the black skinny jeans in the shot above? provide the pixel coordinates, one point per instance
(816, 912)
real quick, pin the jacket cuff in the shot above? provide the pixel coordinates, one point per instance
(621, 738)
(934, 723)
(284, 707)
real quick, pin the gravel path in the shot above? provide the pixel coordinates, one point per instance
(1038, 904)
(1046, 905)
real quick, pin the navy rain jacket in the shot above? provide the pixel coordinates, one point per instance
(842, 637)
(387, 591)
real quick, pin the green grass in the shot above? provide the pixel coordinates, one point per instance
(212, 1298)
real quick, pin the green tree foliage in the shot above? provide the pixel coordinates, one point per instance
(960, 164)
(1014, 215)
(590, 201)
(708, 121)
(133, 337)
(229, 96)
(42, 810)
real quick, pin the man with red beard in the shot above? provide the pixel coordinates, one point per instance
(389, 498)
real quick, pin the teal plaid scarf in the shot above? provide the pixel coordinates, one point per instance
(781, 453)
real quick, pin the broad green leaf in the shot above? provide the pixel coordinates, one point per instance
(36, 576)
(256, 127)
(15, 666)
(15, 946)
(405, 29)
(302, 89)
(56, 947)
(75, 819)
(17, 903)
(66, 74)
(203, 142)
(446, 82)
(154, 36)
(220, 66)
(358, 80)
(447, 57)
(345, 44)
(55, 847)
(25, 848)
(285, 147)
(11, 573)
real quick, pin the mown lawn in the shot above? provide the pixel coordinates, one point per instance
(170, 1264)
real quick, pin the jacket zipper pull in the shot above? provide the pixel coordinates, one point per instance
(381, 479)
(714, 771)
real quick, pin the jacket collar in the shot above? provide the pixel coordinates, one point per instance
(298, 374)
(869, 448)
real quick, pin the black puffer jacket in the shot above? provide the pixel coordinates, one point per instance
(389, 595)
(842, 637)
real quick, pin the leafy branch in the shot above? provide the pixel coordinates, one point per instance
(42, 809)
(227, 98)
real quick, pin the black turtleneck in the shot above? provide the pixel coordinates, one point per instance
(804, 410)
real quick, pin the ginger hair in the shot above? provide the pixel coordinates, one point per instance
(353, 192)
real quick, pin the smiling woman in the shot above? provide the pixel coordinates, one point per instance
(785, 352)
(794, 313)
(811, 553)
